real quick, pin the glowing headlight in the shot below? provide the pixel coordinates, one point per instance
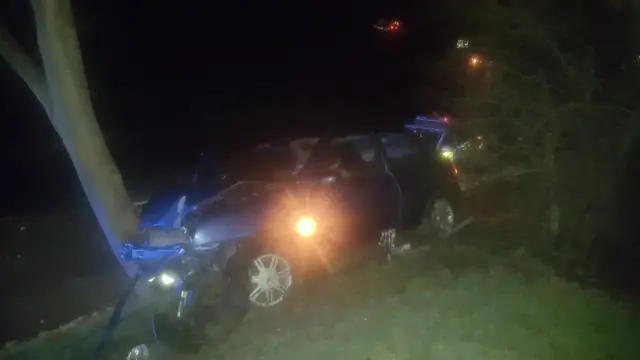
(306, 226)
(166, 279)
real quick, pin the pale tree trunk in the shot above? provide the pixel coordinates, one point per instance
(62, 89)
(76, 123)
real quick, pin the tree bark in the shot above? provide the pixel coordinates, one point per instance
(62, 89)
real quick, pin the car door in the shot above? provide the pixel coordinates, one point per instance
(363, 190)
(408, 162)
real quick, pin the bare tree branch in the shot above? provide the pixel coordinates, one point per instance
(26, 68)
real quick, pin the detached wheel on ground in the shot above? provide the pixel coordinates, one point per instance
(439, 218)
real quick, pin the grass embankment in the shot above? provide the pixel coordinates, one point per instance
(455, 303)
(449, 303)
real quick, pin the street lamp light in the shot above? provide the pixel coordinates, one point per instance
(474, 61)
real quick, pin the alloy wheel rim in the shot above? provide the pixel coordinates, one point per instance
(270, 280)
(442, 216)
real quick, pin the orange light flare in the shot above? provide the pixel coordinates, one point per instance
(475, 61)
(306, 226)
(312, 224)
(305, 214)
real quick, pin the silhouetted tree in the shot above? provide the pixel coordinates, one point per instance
(61, 87)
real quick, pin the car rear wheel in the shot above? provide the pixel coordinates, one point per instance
(439, 218)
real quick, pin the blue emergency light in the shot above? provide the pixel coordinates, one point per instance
(431, 123)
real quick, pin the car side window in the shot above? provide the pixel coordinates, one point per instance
(348, 156)
(399, 146)
(357, 154)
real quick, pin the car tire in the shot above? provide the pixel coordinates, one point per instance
(439, 218)
(242, 270)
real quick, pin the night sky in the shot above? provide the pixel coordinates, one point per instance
(169, 79)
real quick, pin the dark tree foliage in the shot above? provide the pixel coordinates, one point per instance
(555, 97)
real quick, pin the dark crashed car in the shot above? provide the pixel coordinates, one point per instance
(351, 187)
(242, 236)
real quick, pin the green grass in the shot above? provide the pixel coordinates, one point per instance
(454, 302)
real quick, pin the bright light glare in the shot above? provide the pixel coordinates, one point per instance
(448, 154)
(306, 226)
(167, 279)
(474, 61)
(140, 352)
